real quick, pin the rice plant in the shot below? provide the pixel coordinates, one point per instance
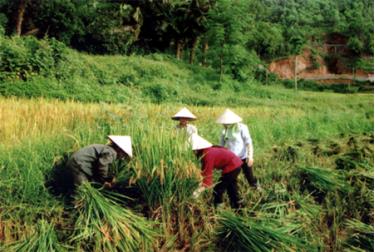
(164, 173)
(104, 225)
(43, 239)
(36, 132)
(360, 237)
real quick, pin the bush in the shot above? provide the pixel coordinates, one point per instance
(366, 64)
(22, 58)
(14, 56)
(243, 64)
(159, 92)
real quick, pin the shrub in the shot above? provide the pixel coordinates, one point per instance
(159, 92)
(22, 58)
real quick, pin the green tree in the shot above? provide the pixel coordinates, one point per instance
(266, 39)
(227, 36)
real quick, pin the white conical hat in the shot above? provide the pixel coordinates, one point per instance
(229, 117)
(124, 143)
(184, 113)
(198, 142)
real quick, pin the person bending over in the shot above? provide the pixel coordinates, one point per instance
(216, 157)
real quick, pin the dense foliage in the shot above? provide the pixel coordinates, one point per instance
(229, 35)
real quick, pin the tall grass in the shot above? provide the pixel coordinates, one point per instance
(275, 121)
(324, 180)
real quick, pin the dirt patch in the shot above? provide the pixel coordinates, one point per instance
(313, 67)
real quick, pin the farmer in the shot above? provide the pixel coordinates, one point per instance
(92, 163)
(236, 137)
(184, 116)
(216, 157)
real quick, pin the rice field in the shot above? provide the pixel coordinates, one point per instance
(313, 157)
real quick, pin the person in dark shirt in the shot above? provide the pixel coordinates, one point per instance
(215, 157)
(92, 163)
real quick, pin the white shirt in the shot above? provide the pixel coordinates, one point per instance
(190, 129)
(238, 144)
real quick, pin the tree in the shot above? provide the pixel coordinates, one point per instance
(266, 39)
(226, 34)
(20, 15)
(172, 23)
(297, 43)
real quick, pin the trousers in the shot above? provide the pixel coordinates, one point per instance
(228, 182)
(249, 174)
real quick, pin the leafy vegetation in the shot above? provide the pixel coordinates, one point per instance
(34, 68)
(205, 31)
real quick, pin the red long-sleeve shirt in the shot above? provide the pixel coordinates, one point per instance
(218, 158)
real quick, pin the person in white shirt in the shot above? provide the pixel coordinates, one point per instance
(236, 137)
(184, 116)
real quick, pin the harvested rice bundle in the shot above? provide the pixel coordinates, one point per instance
(104, 225)
(236, 233)
(324, 180)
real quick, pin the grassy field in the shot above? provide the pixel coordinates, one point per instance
(313, 157)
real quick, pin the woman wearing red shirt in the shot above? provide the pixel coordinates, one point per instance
(215, 157)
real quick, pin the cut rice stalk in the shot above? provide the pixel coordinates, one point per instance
(104, 225)
(236, 233)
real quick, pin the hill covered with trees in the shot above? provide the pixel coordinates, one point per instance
(233, 37)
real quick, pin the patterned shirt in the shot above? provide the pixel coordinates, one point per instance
(238, 140)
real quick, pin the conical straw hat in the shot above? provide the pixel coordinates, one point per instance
(184, 113)
(229, 117)
(198, 142)
(124, 143)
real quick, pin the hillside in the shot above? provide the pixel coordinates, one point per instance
(47, 68)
